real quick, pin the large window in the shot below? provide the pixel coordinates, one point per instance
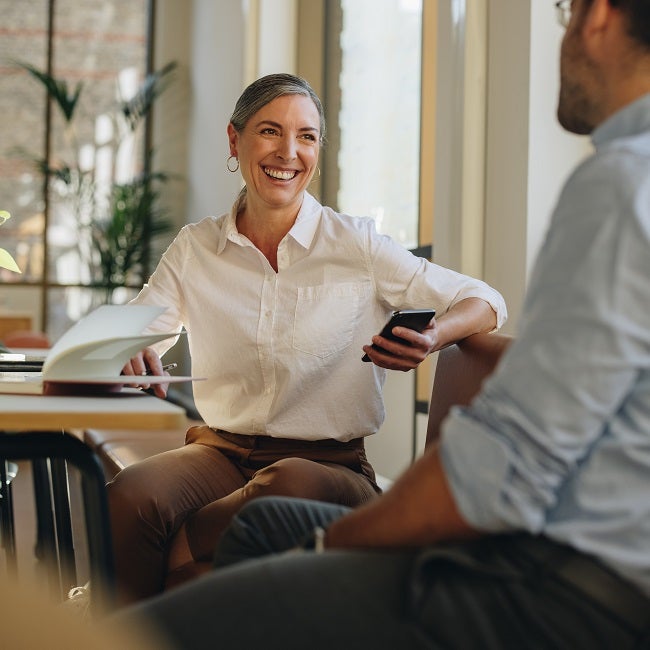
(377, 167)
(57, 175)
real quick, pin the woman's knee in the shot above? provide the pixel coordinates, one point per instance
(163, 489)
(295, 477)
(131, 499)
(147, 492)
(127, 487)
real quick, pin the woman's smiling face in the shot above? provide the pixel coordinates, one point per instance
(278, 150)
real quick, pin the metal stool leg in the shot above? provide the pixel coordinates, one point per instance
(54, 539)
(8, 472)
(67, 448)
(45, 549)
(63, 521)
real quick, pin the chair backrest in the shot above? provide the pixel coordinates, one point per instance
(460, 371)
(26, 339)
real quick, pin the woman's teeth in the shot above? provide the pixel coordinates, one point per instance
(279, 174)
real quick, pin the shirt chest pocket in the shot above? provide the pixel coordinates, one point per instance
(326, 317)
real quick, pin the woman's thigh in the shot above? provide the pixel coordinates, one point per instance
(307, 479)
(174, 483)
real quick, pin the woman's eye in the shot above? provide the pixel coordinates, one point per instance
(268, 131)
(309, 136)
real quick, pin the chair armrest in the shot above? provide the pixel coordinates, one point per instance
(460, 372)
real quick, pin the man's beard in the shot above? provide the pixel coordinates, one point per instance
(577, 109)
(574, 109)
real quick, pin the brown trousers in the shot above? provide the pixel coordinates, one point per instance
(206, 482)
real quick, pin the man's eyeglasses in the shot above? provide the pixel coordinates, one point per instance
(563, 9)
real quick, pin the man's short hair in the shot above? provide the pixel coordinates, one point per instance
(638, 19)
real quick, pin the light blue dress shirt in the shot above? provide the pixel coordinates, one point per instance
(558, 442)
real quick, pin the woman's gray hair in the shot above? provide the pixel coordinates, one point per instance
(265, 90)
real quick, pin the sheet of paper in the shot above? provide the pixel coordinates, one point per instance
(93, 352)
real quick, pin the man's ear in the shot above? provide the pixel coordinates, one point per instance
(604, 32)
(596, 21)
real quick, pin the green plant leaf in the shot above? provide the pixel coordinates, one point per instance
(7, 262)
(63, 172)
(122, 238)
(57, 89)
(137, 108)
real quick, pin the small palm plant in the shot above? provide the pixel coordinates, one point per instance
(121, 242)
(116, 226)
(6, 260)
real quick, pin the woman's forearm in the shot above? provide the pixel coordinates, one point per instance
(467, 317)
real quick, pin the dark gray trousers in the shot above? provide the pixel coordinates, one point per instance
(484, 594)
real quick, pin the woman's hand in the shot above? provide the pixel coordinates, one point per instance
(147, 362)
(395, 355)
(466, 317)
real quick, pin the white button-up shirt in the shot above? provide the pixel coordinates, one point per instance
(282, 351)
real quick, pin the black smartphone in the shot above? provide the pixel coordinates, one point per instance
(414, 319)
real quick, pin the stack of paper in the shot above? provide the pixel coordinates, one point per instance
(90, 356)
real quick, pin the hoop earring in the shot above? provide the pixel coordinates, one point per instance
(229, 164)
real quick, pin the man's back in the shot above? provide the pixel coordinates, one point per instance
(566, 422)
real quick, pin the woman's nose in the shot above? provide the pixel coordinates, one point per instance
(287, 149)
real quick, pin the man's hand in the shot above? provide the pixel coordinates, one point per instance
(419, 509)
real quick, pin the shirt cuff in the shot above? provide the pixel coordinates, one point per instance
(477, 468)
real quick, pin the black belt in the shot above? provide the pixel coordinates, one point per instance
(591, 578)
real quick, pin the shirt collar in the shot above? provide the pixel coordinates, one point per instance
(304, 228)
(629, 120)
(302, 231)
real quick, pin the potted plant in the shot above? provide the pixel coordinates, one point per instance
(6, 260)
(115, 226)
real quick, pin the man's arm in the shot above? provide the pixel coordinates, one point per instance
(419, 509)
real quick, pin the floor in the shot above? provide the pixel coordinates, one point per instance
(29, 568)
(33, 619)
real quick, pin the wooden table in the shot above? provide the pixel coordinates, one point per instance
(38, 428)
(128, 409)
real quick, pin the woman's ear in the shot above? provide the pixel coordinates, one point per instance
(233, 136)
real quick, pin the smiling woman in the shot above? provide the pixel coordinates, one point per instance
(278, 155)
(280, 298)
